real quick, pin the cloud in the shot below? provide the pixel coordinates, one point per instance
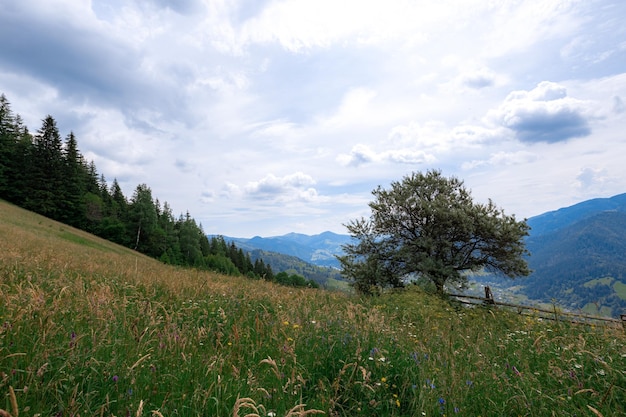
(478, 79)
(591, 178)
(300, 25)
(435, 137)
(407, 156)
(184, 7)
(432, 135)
(362, 154)
(618, 105)
(353, 108)
(544, 114)
(73, 50)
(518, 25)
(475, 79)
(289, 188)
(502, 158)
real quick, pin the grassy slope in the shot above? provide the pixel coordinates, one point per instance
(90, 328)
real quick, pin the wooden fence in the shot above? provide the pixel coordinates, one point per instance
(555, 313)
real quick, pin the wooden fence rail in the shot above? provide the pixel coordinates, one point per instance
(555, 313)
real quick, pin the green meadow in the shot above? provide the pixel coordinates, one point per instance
(89, 328)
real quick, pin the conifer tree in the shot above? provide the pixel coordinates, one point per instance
(8, 138)
(46, 175)
(143, 222)
(73, 184)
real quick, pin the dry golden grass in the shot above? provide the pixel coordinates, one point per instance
(21, 248)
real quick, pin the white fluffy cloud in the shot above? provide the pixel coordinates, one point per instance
(292, 187)
(544, 114)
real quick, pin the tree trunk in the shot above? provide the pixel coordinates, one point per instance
(138, 233)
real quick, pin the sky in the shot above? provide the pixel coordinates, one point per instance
(263, 118)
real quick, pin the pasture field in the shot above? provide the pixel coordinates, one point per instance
(88, 328)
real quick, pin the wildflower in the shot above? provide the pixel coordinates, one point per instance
(373, 354)
(115, 378)
(383, 379)
(397, 403)
(442, 401)
(601, 372)
(285, 323)
(296, 326)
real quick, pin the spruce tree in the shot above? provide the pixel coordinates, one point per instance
(73, 184)
(46, 175)
(8, 138)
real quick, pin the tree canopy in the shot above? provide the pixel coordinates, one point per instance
(427, 226)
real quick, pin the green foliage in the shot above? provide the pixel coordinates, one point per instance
(428, 226)
(294, 280)
(316, 275)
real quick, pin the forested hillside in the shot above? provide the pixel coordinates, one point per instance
(43, 173)
(582, 265)
(326, 277)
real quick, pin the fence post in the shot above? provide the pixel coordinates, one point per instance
(623, 317)
(489, 296)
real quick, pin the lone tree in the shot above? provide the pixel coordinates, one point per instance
(427, 226)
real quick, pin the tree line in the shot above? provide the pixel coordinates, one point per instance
(45, 174)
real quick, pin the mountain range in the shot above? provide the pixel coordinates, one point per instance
(318, 250)
(578, 255)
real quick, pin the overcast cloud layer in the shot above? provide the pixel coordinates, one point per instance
(268, 117)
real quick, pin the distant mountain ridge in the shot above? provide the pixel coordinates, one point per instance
(319, 249)
(558, 219)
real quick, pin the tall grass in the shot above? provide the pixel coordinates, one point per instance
(90, 328)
